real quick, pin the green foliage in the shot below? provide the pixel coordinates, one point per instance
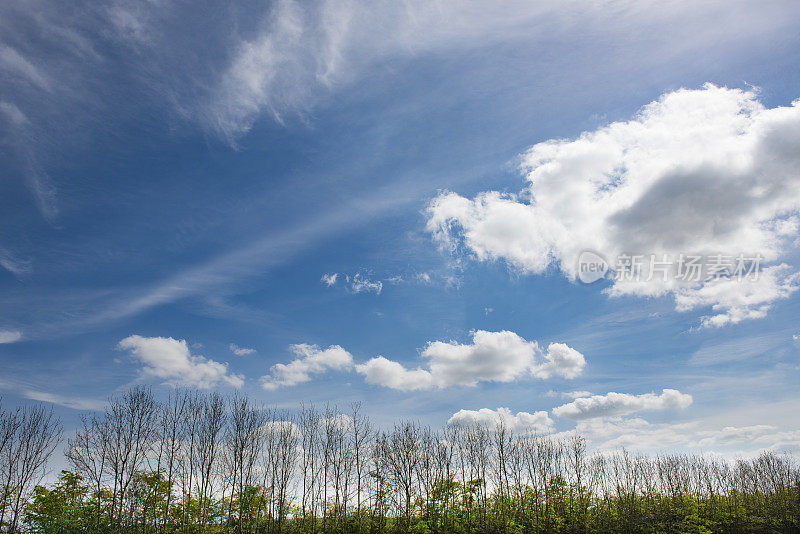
(61, 509)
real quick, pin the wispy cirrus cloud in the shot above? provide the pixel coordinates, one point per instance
(73, 403)
(10, 336)
(275, 60)
(300, 51)
(30, 389)
(218, 276)
(15, 63)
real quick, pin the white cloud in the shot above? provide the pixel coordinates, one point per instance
(359, 283)
(13, 61)
(383, 372)
(522, 422)
(311, 360)
(240, 351)
(340, 421)
(74, 403)
(735, 300)
(169, 359)
(613, 404)
(10, 336)
(737, 348)
(14, 265)
(300, 50)
(283, 426)
(731, 434)
(706, 172)
(560, 360)
(568, 394)
(638, 434)
(491, 357)
(14, 114)
(613, 433)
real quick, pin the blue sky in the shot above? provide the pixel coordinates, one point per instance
(176, 182)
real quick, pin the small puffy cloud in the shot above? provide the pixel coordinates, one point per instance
(613, 404)
(522, 422)
(241, 351)
(560, 360)
(708, 172)
(491, 357)
(311, 360)
(10, 336)
(282, 426)
(359, 283)
(340, 421)
(170, 360)
(383, 372)
(356, 283)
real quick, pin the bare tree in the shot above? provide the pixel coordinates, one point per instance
(172, 431)
(27, 441)
(9, 426)
(205, 451)
(309, 431)
(400, 454)
(286, 458)
(88, 453)
(244, 438)
(240, 468)
(129, 431)
(361, 438)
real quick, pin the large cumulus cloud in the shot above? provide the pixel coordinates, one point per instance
(705, 172)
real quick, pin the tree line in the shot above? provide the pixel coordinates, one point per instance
(201, 462)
